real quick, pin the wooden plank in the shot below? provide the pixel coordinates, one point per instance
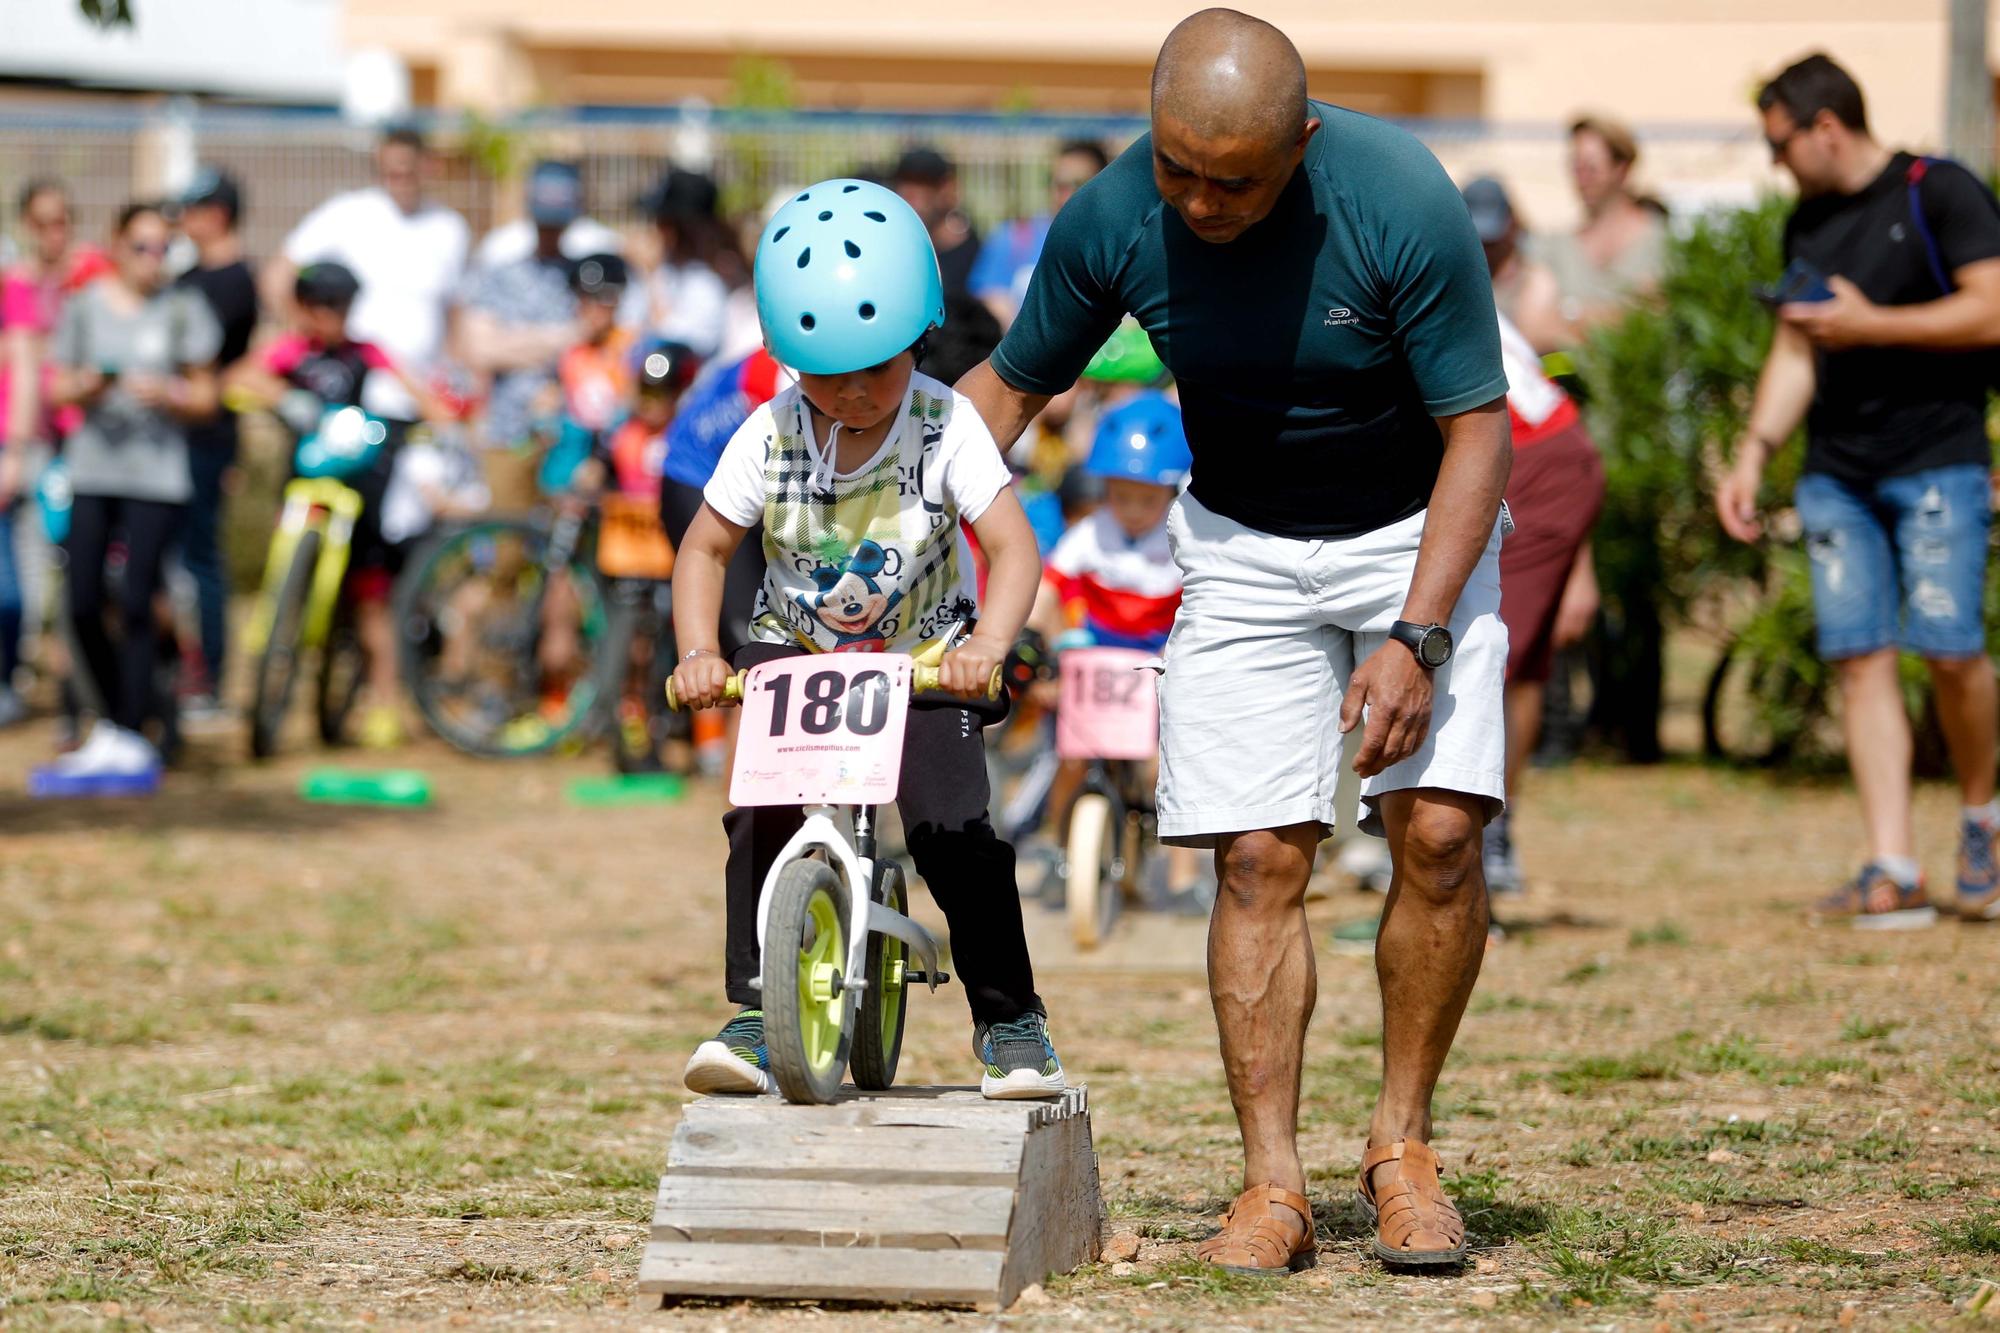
(919, 1217)
(1058, 1212)
(800, 1272)
(912, 1155)
(938, 1107)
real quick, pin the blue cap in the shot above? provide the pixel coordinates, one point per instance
(1141, 440)
(555, 194)
(846, 278)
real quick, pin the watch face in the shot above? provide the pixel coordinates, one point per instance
(1434, 649)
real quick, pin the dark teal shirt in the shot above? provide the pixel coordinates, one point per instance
(1312, 353)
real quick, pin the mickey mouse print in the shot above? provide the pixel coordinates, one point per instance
(875, 560)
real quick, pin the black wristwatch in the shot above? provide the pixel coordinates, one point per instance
(1430, 643)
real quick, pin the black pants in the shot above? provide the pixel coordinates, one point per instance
(201, 550)
(124, 672)
(679, 503)
(970, 871)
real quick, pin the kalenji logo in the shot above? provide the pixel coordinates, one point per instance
(1340, 314)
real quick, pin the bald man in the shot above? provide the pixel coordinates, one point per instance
(1311, 278)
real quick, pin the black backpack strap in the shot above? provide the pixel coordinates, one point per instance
(1914, 180)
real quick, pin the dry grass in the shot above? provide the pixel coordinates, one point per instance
(269, 1063)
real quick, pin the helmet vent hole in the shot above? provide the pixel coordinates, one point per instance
(806, 322)
(873, 216)
(853, 250)
(805, 256)
(867, 310)
(826, 215)
(779, 234)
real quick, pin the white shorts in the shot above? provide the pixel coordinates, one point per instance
(1270, 629)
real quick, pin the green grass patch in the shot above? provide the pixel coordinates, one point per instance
(1668, 934)
(1594, 1072)
(1978, 1232)
(1857, 1028)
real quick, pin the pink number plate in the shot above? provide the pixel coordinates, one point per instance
(823, 730)
(1110, 705)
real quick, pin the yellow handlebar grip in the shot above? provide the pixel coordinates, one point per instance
(923, 680)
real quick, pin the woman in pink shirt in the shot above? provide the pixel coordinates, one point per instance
(32, 292)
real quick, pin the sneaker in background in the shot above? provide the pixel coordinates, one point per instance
(1978, 873)
(1873, 900)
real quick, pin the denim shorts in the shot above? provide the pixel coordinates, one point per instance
(1901, 561)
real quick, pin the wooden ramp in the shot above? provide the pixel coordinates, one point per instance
(930, 1196)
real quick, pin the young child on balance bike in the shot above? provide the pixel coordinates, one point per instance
(860, 474)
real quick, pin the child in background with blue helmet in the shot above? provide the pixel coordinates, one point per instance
(1113, 575)
(1112, 581)
(860, 474)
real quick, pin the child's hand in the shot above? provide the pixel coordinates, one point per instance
(968, 670)
(699, 680)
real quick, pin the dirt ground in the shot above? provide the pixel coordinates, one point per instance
(271, 1063)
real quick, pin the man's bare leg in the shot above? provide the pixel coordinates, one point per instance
(1427, 955)
(1263, 983)
(1968, 702)
(1877, 728)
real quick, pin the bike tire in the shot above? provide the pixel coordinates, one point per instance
(277, 670)
(1091, 890)
(424, 611)
(808, 1036)
(343, 666)
(879, 1017)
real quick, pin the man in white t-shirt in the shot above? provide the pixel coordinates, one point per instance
(409, 253)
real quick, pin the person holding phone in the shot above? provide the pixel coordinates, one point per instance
(1885, 315)
(137, 356)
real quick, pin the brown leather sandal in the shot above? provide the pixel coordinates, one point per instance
(1255, 1240)
(1416, 1226)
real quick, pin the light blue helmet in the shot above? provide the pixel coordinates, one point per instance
(846, 278)
(1141, 440)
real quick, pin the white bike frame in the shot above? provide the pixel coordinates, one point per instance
(823, 831)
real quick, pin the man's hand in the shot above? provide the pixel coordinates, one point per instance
(1396, 692)
(1736, 496)
(968, 669)
(1848, 320)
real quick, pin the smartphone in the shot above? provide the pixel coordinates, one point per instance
(1799, 282)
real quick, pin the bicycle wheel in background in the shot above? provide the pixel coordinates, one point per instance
(1092, 888)
(342, 669)
(498, 649)
(277, 670)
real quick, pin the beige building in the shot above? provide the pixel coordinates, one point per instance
(1681, 70)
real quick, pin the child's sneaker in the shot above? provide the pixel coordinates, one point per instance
(1873, 900)
(734, 1059)
(1503, 867)
(1019, 1059)
(1978, 873)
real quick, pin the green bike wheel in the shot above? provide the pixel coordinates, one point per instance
(277, 671)
(878, 1021)
(808, 1010)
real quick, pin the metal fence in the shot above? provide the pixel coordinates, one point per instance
(290, 161)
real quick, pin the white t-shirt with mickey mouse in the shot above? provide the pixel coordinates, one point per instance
(872, 560)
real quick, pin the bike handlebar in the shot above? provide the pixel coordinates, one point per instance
(923, 680)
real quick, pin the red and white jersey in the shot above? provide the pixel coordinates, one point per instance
(1538, 406)
(1129, 587)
